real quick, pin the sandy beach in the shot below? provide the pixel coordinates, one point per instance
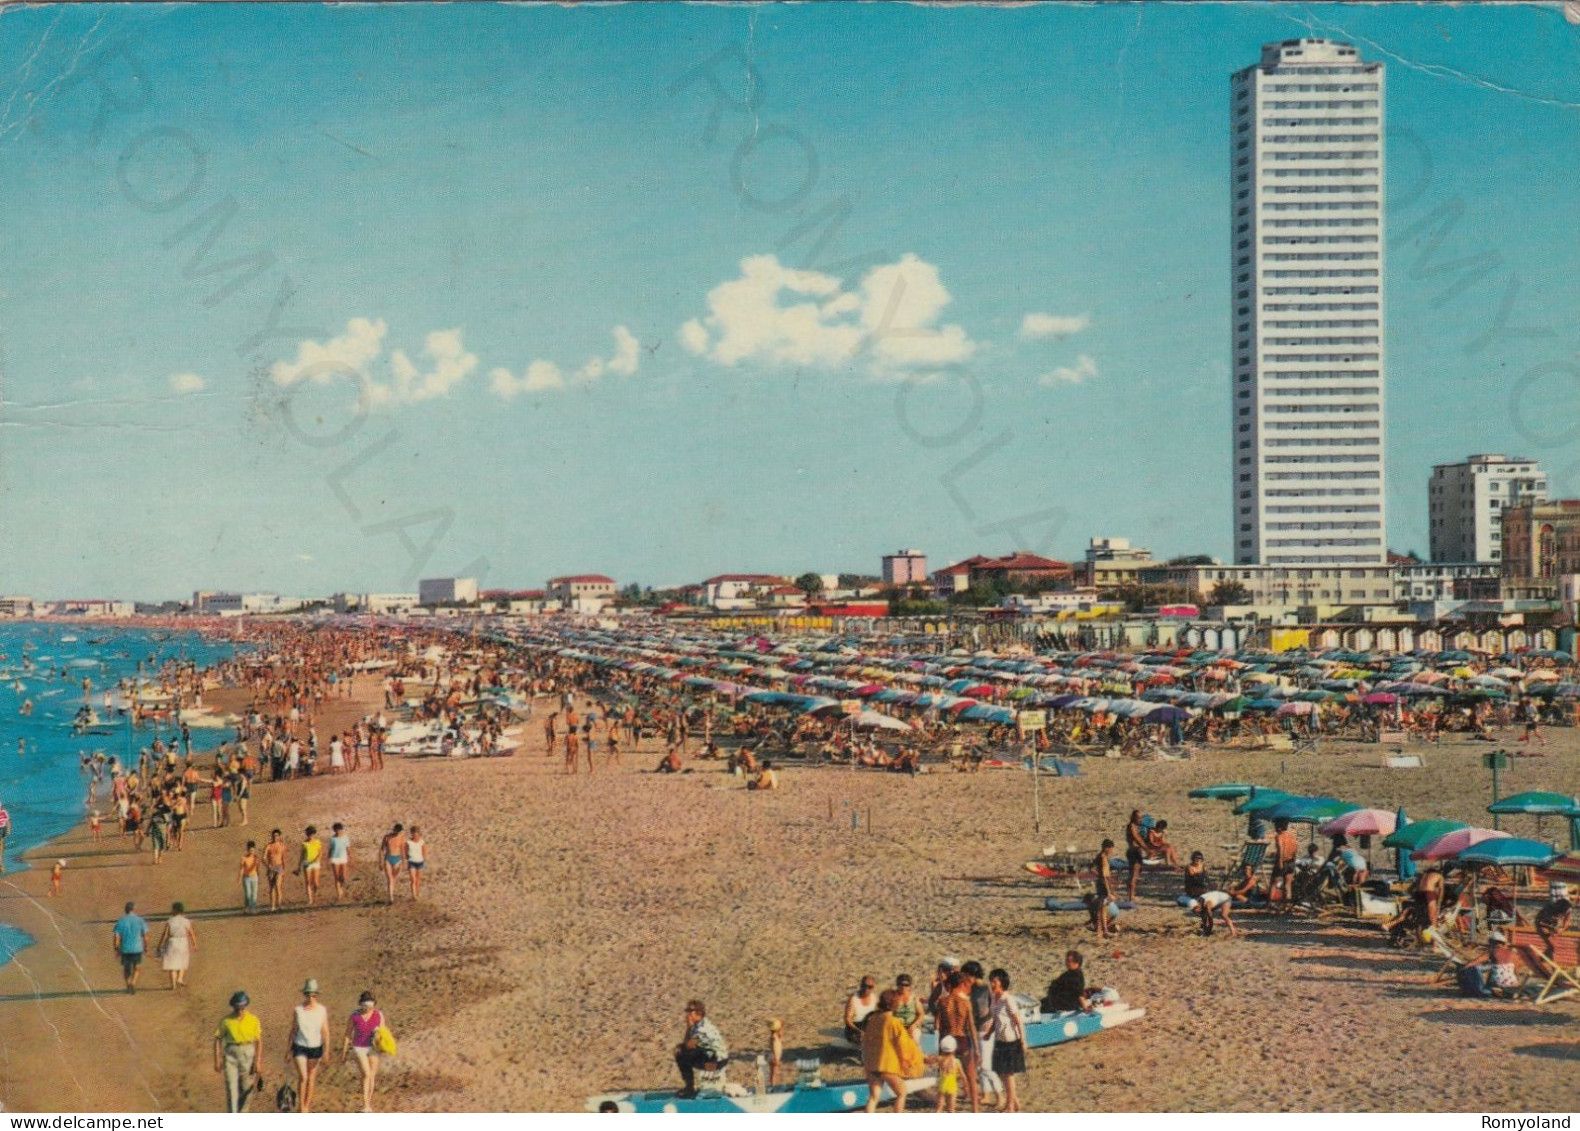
(567, 919)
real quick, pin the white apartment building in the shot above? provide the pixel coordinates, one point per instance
(1306, 250)
(1465, 503)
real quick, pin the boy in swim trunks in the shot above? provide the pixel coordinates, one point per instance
(274, 868)
(340, 860)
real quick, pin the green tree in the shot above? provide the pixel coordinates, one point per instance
(1229, 593)
(810, 583)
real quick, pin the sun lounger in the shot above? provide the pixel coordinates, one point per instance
(1561, 971)
(1454, 959)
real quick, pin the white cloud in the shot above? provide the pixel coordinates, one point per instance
(409, 385)
(184, 383)
(547, 377)
(1082, 371)
(1036, 325)
(348, 354)
(784, 316)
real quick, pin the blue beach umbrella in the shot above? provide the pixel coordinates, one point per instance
(1510, 852)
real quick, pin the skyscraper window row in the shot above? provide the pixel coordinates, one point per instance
(1319, 190)
(1276, 306)
(1320, 256)
(1319, 88)
(1321, 374)
(1320, 492)
(1329, 391)
(1328, 508)
(1305, 358)
(1346, 408)
(1323, 324)
(1323, 222)
(1321, 154)
(1298, 123)
(1324, 104)
(1295, 241)
(1358, 442)
(1315, 139)
(1318, 273)
(1346, 171)
(1363, 289)
(1303, 460)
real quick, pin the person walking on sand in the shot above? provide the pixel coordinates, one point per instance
(1135, 849)
(362, 1030)
(177, 945)
(1105, 886)
(238, 1052)
(309, 1040)
(1009, 1038)
(55, 875)
(889, 1055)
(131, 939)
(340, 860)
(274, 868)
(249, 877)
(416, 860)
(309, 862)
(393, 850)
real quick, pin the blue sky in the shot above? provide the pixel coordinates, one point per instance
(558, 330)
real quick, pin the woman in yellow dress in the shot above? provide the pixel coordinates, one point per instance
(889, 1053)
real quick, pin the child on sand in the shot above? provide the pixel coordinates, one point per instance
(54, 877)
(776, 1049)
(94, 826)
(948, 1066)
(309, 863)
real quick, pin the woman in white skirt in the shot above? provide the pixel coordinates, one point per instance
(177, 945)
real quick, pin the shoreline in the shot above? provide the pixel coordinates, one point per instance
(99, 1049)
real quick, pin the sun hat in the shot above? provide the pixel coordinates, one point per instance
(239, 998)
(948, 1044)
(949, 962)
(366, 998)
(775, 1025)
(310, 986)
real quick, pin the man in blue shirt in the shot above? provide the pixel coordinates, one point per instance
(131, 939)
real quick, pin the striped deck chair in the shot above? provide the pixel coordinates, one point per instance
(1253, 854)
(1559, 974)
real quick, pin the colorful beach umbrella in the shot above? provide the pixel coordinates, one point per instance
(1537, 803)
(1361, 822)
(1262, 800)
(1450, 845)
(1417, 833)
(1223, 791)
(1510, 852)
(1308, 810)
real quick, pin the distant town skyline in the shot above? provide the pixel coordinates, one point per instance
(309, 299)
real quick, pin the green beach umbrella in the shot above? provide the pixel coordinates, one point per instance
(1537, 803)
(1308, 810)
(1262, 800)
(1223, 791)
(1417, 833)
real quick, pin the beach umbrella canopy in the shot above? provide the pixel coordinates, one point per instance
(876, 720)
(1380, 698)
(1450, 845)
(1262, 800)
(1308, 810)
(1537, 803)
(1416, 833)
(1168, 715)
(1509, 852)
(1223, 791)
(1293, 708)
(1361, 822)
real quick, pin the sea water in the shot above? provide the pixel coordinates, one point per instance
(43, 786)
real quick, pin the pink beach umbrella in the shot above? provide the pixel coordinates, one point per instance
(1362, 822)
(1452, 844)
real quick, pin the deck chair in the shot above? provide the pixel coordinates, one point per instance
(1307, 743)
(1454, 959)
(1253, 853)
(1560, 974)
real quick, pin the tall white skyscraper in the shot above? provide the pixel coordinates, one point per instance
(1306, 202)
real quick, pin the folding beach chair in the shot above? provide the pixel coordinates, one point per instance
(1454, 959)
(1307, 743)
(1561, 972)
(1253, 853)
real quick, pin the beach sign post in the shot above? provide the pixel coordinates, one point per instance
(1495, 760)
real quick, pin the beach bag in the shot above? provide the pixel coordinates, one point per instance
(384, 1041)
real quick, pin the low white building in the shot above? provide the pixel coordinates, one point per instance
(739, 590)
(578, 592)
(375, 604)
(16, 607)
